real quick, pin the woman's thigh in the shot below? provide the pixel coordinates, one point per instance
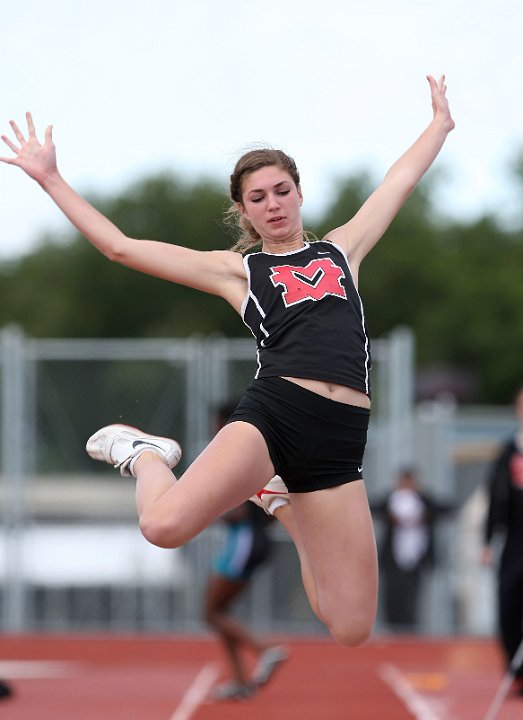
(336, 529)
(233, 467)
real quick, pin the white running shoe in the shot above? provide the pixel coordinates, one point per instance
(232, 691)
(275, 488)
(269, 661)
(121, 445)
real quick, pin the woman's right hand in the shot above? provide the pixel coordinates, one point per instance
(36, 159)
(218, 272)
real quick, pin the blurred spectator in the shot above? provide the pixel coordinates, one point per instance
(505, 521)
(407, 548)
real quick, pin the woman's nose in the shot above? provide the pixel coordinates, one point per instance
(273, 201)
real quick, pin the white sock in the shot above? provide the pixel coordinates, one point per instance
(135, 458)
(276, 503)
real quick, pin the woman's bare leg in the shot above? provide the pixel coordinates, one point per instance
(220, 594)
(332, 528)
(336, 531)
(285, 515)
(233, 467)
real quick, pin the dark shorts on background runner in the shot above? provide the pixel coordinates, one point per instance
(314, 442)
(244, 550)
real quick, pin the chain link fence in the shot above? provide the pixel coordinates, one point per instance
(71, 555)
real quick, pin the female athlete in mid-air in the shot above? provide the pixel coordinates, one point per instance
(296, 440)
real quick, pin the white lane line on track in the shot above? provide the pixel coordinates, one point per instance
(11, 669)
(414, 702)
(196, 692)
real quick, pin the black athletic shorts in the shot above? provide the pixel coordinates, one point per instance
(314, 442)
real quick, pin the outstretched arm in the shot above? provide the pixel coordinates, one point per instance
(362, 232)
(217, 272)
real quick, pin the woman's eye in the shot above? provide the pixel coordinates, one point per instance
(257, 199)
(283, 192)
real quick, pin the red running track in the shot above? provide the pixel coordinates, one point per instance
(120, 677)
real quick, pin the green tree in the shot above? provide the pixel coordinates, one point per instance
(456, 284)
(66, 288)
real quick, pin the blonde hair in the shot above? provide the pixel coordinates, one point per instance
(249, 163)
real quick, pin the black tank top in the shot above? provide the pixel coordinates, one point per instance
(307, 316)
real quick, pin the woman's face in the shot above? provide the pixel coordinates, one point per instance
(271, 202)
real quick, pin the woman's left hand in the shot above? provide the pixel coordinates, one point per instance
(440, 104)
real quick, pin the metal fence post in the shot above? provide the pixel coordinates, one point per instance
(401, 394)
(14, 514)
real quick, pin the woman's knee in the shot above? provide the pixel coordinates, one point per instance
(162, 532)
(350, 631)
(349, 621)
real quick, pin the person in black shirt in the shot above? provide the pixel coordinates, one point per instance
(409, 515)
(307, 423)
(505, 519)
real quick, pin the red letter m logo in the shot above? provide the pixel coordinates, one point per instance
(319, 278)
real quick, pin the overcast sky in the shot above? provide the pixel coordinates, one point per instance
(136, 87)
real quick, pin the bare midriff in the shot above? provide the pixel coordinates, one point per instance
(333, 391)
